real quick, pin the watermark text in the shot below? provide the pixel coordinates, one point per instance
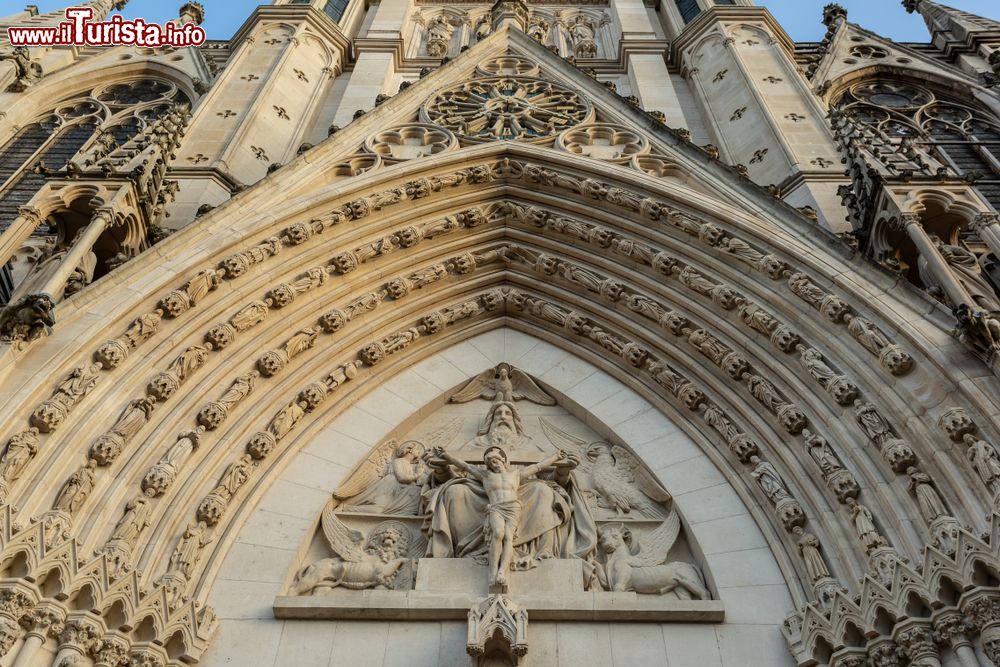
(79, 30)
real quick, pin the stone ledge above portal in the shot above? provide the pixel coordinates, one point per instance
(425, 606)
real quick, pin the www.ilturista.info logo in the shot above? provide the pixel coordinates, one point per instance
(78, 30)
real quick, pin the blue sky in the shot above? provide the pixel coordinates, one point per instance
(801, 18)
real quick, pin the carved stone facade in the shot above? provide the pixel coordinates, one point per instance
(502, 334)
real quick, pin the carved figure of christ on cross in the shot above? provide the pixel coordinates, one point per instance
(503, 513)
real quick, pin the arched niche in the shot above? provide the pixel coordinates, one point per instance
(721, 533)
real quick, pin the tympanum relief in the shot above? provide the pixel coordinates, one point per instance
(498, 492)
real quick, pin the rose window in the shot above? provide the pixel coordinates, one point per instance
(507, 108)
(892, 95)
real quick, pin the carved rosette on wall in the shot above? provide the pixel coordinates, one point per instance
(507, 108)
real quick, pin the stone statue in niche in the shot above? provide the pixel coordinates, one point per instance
(517, 495)
(631, 565)
(501, 483)
(358, 562)
(439, 31)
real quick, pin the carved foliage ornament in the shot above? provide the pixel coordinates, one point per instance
(506, 108)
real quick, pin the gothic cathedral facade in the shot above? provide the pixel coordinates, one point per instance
(570, 332)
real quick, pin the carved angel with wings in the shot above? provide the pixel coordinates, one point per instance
(358, 563)
(391, 478)
(640, 566)
(503, 383)
(618, 480)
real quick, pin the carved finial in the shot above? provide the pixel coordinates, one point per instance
(832, 13)
(192, 12)
(911, 5)
(509, 12)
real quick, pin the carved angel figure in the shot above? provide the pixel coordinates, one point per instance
(358, 563)
(641, 567)
(389, 482)
(503, 383)
(619, 482)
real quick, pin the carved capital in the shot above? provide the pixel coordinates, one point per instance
(13, 604)
(32, 215)
(983, 607)
(44, 622)
(885, 654)
(79, 635)
(917, 642)
(904, 221)
(110, 651)
(983, 220)
(954, 629)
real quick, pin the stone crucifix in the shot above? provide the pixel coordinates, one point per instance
(503, 513)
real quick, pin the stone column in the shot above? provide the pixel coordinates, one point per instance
(955, 630)
(987, 225)
(40, 623)
(910, 224)
(27, 221)
(82, 244)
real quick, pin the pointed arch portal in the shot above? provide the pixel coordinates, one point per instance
(791, 399)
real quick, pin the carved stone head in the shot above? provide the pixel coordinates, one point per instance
(411, 448)
(8, 634)
(495, 459)
(615, 536)
(389, 539)
(991, 642)
(502, 414)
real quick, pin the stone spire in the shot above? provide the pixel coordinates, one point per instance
(953, 24)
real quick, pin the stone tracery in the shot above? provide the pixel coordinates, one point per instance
(507, 108)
